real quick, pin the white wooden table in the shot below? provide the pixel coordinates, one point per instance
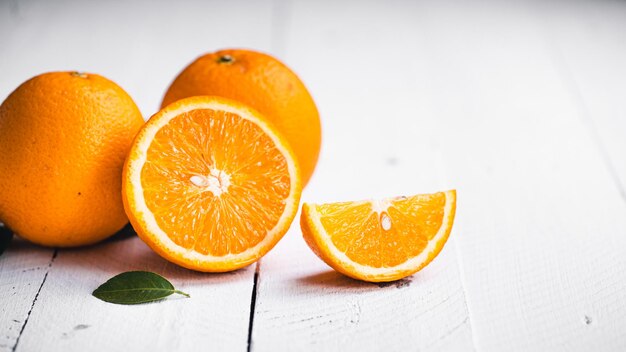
(520, 106)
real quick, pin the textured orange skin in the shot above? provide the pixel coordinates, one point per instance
(63, 140)
(265, 84)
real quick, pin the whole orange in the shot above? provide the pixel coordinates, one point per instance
(263, 83)
(64, 137)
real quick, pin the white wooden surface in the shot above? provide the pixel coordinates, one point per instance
(68, 318)
(589, 44)
(518, 105)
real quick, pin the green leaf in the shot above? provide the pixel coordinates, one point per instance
(6, 236)
(135, 287)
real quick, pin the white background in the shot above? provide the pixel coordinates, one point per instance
(520, 106)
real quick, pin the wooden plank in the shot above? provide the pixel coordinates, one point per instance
(23, 270)
(471, 96)
(68, 318)
(543, 222)
(377, 143)
(302, 304)
(589, 42)
(141, 45)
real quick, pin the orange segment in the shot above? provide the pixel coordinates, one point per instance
(380, 240)
(210, 185)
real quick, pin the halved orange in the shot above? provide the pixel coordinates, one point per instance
(382, 240)
(210, 185)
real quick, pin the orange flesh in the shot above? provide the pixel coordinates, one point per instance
(388, 238)
(202, 152)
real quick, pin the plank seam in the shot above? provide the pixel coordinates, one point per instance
(459, 258)
(281, 15)
(568, 79)
(253, 304)
(17, 341)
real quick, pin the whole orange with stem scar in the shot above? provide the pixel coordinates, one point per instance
(64, 137)
(263, 83)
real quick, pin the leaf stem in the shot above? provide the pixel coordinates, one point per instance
(182, 293)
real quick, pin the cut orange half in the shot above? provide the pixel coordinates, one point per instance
(210, 185)
(383, 240)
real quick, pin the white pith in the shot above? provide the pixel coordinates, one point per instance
(342, 259)
(380, 205)
(212, 184)
(216, 182)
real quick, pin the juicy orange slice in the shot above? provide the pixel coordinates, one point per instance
(383, 240)
(210, 185)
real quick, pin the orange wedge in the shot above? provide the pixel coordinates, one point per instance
(210, 185)
(383, 240)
